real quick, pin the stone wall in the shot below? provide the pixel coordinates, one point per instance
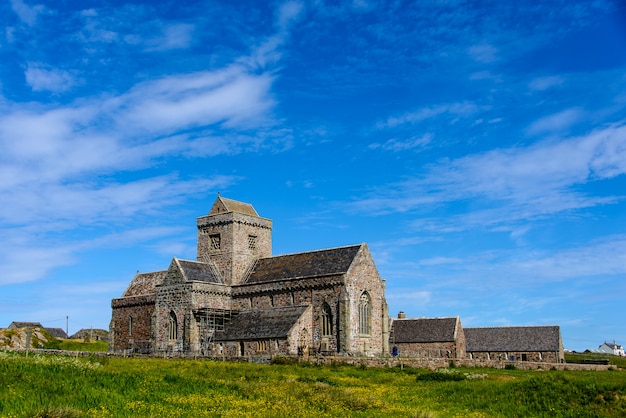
(242, 240)
(437, 350)
(121, 334)
(533, 356)
(363, 277)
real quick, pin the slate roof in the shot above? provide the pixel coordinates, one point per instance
(57, 332)
(18, 324)
(229, 205)
(303, 265)
(539, 338)
(424, 330)
(201, 272)
(145, 283)
(262, 324)
(613, 346)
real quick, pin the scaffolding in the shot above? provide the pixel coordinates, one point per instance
(210, 322)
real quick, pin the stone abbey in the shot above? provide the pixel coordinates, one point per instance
(236, 299)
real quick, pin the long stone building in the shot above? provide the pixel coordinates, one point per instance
(236, 299)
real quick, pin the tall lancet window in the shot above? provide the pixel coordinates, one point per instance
(172, 327)
(365, 313)
(327, 320)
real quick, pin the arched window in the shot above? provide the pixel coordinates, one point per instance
(327, 320)
(172, 327)
(365, 313)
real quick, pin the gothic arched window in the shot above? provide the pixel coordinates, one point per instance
(172, 327)
(327, 320)
(365, 313)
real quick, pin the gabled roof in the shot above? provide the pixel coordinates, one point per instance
(612, 345)
(145, 283)
(57, 332)
(424, 330)
(303, 265)
(539, 338)
(223, 205)
(199, 272)
(262, 324)
(18, 324)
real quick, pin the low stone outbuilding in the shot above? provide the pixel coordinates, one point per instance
(428, 337)
(22, 324)
(529, 343)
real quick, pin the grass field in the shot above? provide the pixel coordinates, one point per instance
(51, 386)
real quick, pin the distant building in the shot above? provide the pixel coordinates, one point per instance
(532, 343)
(57, 332)
(18, 324)
(428, 337)
(612, 348)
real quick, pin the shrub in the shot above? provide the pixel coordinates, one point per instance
(510, 366)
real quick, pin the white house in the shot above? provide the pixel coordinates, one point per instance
(612, 348)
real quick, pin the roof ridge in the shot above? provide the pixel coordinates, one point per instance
(314, 251)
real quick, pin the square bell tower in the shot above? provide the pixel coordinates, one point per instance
(233, 236)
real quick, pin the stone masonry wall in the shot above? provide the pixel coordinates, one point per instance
(313, 292)
(243, 239)
(428, 350)
(534, 356)
(363, 277)
(140, 309)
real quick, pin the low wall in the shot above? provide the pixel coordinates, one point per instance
(357, 361)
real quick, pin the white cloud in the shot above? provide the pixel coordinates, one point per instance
(27, 14)
(396, 145)
(512, 184)
(484, 53)
(288, 13)
(462, 109)
(557, 122)
(174, 36)
(42, 79)
(545, 83)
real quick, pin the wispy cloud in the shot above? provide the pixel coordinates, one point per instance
(462, 109)
(63, 164)
(557, 122)
(27, 14)
(514, 183)
(174, 36)
(397, 145)
(48, 79)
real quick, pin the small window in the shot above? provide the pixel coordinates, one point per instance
(327, 320)
(252, 242)
(130, 325)
(365, 315)
(215, 241)
(173, 327)
(261, 346)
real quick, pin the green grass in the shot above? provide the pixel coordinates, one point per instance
(582, 357)
(93, 346)
(49, 386)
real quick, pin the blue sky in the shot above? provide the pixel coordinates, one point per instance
(479, 148)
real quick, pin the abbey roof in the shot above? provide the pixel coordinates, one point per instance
(303, 265)
(262, 324)
(425, 330)
(494, 339)
(223, 205)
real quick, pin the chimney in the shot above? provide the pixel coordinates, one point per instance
(401, 315)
